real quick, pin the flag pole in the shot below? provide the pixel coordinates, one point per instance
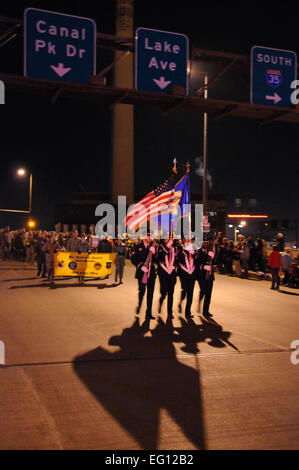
(174, 169)
(187, 174)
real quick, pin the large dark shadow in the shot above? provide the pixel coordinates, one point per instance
(210, 332)
(146, 377)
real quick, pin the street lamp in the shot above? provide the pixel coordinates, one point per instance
(22, 172)
(31, 224)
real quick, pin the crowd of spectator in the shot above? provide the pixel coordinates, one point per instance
(231, 258)
(23, 245)
(244, 255)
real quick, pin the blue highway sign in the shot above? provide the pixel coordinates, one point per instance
(161, 61)
(272, 72)
(59, 46)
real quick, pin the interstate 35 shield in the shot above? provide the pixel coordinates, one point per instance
(274, 78)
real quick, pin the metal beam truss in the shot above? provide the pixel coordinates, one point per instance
(98, 91)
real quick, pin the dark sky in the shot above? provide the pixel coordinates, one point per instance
(67, 146)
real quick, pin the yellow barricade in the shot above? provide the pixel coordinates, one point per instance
(83, 264)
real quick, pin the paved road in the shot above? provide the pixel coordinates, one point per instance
(84, 372)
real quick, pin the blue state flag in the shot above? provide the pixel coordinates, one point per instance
(177, 209)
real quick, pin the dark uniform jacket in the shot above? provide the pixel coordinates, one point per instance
(186, 263)
(166, 259)
(39, 247)
(139, 257)
(50, 247)
(203, 259)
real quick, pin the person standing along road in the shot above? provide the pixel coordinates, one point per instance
(30, 248)
(280, 242)
(104, 246)
(244, 258)
(73, 242)
(220, 244)
(93, 241)
(286, 264)
(50, 247)
(41, 256)
(237, 261)
(121, 253)
(228, 258)
(3, 245)
(274, 263)
(260, 255)
(252, 253)
(83, 247)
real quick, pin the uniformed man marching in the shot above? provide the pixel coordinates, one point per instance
(187, 274)
(50, 247)
(82, 247)
(121, 252)
(167, 274)
(205, 276)
(144, 257)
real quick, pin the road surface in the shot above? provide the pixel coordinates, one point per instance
(83, 371)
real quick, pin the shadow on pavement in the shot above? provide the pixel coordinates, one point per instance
(56, 285)
(287, 292)
(18, 269)
(16, 280)
(146, 377)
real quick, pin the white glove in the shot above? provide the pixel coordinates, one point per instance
(144, 269)
(189, 247)
(152, 249)
(208, 268)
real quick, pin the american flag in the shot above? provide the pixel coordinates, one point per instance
(150, 206)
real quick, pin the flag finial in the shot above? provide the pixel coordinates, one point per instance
(188, 167)
(174, 169)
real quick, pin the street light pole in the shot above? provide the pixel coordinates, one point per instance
(30, 192)
(205, 151)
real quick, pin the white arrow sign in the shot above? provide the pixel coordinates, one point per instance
(276, 98)
(162, 83)
(60, 70)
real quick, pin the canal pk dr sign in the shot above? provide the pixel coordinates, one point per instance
(59, 46)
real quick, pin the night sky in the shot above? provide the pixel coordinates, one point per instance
(67, 146)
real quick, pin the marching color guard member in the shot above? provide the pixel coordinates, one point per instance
(144, 256)
(205, 276)
(187, 274)
(167, 274)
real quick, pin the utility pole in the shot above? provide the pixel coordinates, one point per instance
(205, 151)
